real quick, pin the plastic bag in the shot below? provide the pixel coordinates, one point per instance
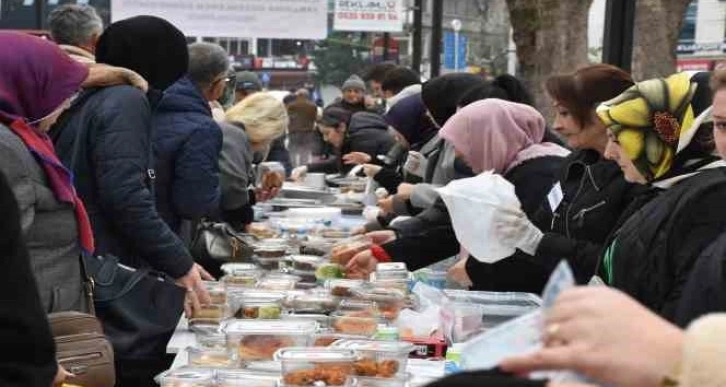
(473, 204)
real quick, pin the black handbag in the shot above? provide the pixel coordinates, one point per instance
(138, 308)
(220, 242)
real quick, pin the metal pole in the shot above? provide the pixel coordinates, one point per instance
(39, 13)
(386, 45)
(456, 51)
(618, 35)
(417, 32)
(437, 20)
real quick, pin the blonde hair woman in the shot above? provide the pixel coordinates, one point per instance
(262, 117)
(250, 127)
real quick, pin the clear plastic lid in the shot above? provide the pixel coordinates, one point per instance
(205, 357)
(196, 375)
(315, 355)
(247, 378)
(379, 294)
(391, 266)
(390, 347)
(270, 327)
(236, 267)
(306, 262)
(312, 302)
(499, 298)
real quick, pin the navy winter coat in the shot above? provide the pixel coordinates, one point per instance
(114, 177)
(187, 143)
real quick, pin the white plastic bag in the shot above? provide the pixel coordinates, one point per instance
(473, 203)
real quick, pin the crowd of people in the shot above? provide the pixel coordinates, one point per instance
(117, 141)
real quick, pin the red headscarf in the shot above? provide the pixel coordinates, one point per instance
(36, 78)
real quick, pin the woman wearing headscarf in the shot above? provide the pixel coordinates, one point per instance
(581, 210)
(659, 137)
(488, 135)
(112, 164)
(36, 85)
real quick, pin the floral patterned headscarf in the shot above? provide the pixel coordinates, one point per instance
(653, 121)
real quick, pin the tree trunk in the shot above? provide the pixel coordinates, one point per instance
(657, 26)
(551, 38)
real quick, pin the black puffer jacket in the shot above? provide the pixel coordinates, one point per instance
(651, 256)
(705, 290)
(429, 237)
(366, 133)
(114, 177)
(594, 195)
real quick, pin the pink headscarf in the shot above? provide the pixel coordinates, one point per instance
(498, 135)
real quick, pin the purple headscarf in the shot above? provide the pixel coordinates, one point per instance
(36, 77)
(408, 117)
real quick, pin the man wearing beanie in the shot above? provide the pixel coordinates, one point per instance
(353, 100)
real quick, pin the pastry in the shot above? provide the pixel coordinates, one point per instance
(262, 347)
(272, 179)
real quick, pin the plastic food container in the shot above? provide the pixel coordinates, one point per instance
(211, 340)
(312, 303)
(389, 301)
(210, 312)
(396, 381)
(332, 233)
(271, 251)
(342, 287)
(391, 271)
(261, 230)
(325, 339)
(400, 284)
(188, 377)
(354, 305)
(210, 358)
(381, 359)
(322, 320)
(204, 325)
(259, 309)
(216, 291)
(241, 279)
(232, 268)
(270, 174)
(246, 378)
(273, 263)
(316, 246)
(362, 323)
(259, 340)
(307, 263)
(308, 277)
(311, 366)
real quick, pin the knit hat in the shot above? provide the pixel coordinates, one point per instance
(247, 80)
(354, 82)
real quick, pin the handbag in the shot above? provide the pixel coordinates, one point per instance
(82, 349)
(139, 309)
(219, 242)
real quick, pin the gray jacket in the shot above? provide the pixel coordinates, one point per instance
(235, 167)
(49, 228)
(438, 173)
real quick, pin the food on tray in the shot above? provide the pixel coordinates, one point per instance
(329, 271)
(324, 341)
(272, 179)
(372, 368)
(209, 311)
(271, 251)
(247, 279)
(306, 263)
(330, 374)
(210, 358)
(341, 291)
(335, 234)
(261, 230)
(262, 347)
(356, 323)
(265, 312)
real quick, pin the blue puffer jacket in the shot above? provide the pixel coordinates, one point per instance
(187, 143)
(114, 177)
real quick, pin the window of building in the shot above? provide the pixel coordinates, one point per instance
(688, 31)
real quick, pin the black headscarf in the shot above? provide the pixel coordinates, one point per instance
(441, 95)
(149, 45)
